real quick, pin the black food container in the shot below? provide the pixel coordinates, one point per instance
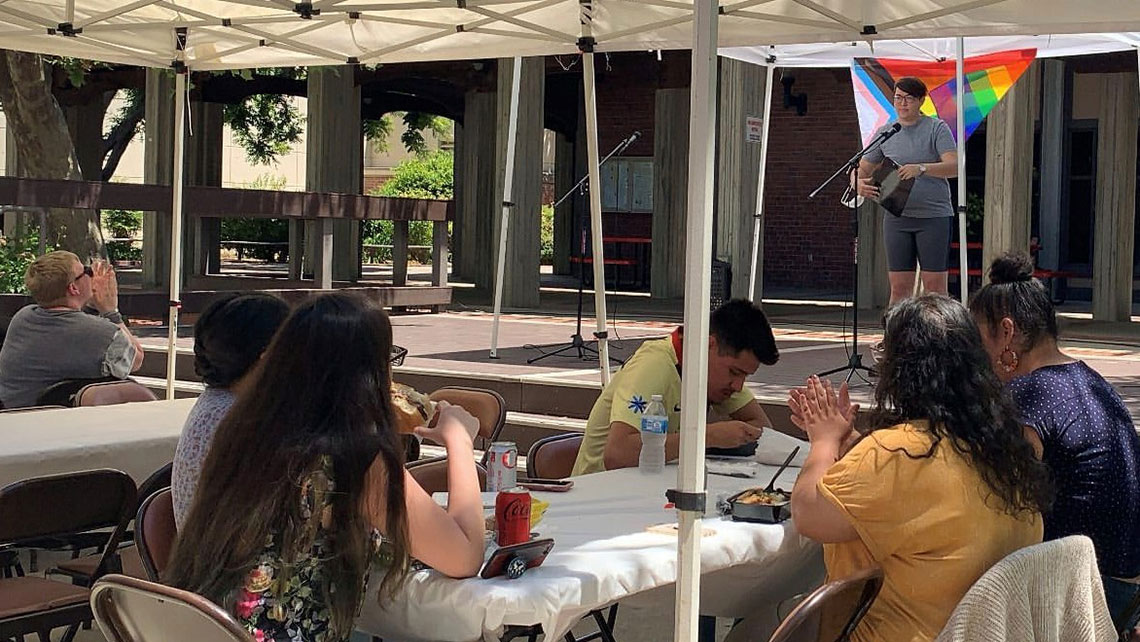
(761, 513)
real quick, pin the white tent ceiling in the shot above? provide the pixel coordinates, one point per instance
(261, 33)
(840, 54)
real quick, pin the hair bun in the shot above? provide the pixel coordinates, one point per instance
(1011, 267)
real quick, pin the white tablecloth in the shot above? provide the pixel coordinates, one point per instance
(603, 554)
(136, 438)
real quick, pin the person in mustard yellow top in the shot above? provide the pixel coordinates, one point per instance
(944, 485)
(740, 339)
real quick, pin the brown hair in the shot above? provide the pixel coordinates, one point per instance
(912, 86)
(320, 400)
(48, 276)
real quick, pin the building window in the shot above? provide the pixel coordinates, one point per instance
(627, 185)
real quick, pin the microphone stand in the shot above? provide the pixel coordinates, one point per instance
(584, 350)
(851, 170)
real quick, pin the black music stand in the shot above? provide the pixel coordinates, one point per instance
(850, 169)
(583, 350)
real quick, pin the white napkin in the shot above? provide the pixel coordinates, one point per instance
(732, 467)
(774, 447)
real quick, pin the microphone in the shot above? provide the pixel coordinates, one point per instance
(634, 137)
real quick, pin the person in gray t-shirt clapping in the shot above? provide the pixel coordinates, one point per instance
(924, 150)
(55, 339)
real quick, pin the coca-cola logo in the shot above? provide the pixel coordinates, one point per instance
(517, 509)
(508, 461)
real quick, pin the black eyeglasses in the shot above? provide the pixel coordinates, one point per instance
(398, 354)
(87, 271)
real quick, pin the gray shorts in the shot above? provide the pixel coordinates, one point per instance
(908, 238)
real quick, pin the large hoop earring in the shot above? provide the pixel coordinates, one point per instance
(1008, 360)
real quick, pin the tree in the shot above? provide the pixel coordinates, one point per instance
(264, 122)
(46, 150)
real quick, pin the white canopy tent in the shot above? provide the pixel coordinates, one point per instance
(227, 34)
(840, 54)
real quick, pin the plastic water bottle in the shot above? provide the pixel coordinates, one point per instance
(654, 428)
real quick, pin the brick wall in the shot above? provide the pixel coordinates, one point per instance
(807, 243)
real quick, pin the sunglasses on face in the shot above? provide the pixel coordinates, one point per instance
(87, 271)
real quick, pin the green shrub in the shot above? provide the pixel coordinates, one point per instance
(429, 176)
(546, 236)
(15, 256)
(122, 224)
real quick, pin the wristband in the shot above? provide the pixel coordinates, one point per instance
(114, 316)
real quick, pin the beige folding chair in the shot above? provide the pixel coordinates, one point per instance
(431, 474)
(486, 405)
(42, 508)
(114, 392)
(831, 612)
(132, 610)
(155, 532)
(553, 457)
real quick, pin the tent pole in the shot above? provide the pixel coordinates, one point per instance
(960, 81)
(508, 194)
(176, 227)
(757, 219)
(698, 273)
(595, 194)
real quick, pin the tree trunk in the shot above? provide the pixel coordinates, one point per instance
(46, 149)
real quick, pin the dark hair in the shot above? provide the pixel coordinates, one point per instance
(740, 325)
(935, 368)
(321, 397)
(1013, 292)
(232, 333)
(912, 86)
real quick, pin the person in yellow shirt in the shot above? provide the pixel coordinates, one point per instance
(944, 485)
(740, 339)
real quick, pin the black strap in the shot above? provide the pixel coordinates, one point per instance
(693, 502)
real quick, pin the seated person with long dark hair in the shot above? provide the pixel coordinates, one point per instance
(943, 486)
(1089, 439)
(305, 487)
(229, 337)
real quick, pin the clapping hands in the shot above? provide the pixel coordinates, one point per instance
(820, 412)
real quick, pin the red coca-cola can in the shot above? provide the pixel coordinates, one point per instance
(512, 516)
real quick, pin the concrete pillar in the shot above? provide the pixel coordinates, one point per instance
(670, 183)
(1009, 169)
(204, 168)
(158, 169)
(521, 277)
(475, 170)
(737, 166)
(1052, 164)
(335, 162)
(1114, 220)
(564, 178)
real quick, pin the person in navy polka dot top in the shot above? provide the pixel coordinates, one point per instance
(1090, 443)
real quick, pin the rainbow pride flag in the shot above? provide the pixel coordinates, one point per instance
(988, 78)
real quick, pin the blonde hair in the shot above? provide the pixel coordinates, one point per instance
(48, 276)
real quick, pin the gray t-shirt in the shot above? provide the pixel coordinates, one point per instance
(923, 142)
(43, 347)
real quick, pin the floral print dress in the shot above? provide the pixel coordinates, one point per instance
(288, 603)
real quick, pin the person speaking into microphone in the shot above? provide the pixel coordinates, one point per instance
(924, 150)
